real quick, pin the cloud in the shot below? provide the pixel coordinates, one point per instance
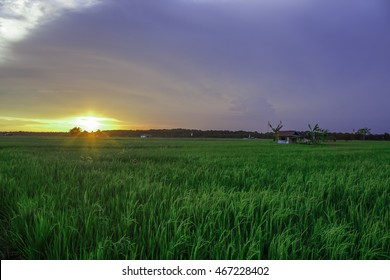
(18, 18)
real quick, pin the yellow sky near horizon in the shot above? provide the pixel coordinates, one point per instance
(85, 122)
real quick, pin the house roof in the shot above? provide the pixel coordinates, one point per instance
(286, 133)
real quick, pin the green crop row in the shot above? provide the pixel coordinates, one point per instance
(119, 198)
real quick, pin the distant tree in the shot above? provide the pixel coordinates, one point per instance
(316, 134)
(275, 129)
(75, 131)
(312, 133)
(85, 133)
(323, 134)
(353, 134)
(364, 132)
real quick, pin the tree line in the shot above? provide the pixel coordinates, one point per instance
(314, 134)
(195, 133)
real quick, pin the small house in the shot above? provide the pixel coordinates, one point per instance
(146, 136)
(288, 136)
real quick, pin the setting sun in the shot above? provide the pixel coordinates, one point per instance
(92, 123)
(89, 123)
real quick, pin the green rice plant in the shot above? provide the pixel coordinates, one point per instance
(118, 198)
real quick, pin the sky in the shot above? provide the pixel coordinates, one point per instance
(197, 64)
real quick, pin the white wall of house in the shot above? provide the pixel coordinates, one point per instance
(284, 141)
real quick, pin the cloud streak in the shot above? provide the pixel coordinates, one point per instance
(18, 18)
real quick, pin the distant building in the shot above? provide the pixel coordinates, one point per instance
(146, 136)
(289, 136)
(250, 137)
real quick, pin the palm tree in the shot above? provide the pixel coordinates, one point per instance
(316, 133)
(275, 129)
(312, 132)
(323, 134)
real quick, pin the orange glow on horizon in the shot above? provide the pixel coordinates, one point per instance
(85, 122)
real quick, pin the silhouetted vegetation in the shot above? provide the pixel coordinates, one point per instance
(76, 131)
(196, 133)
(316, 134)
(364, 132)
(276, 129)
